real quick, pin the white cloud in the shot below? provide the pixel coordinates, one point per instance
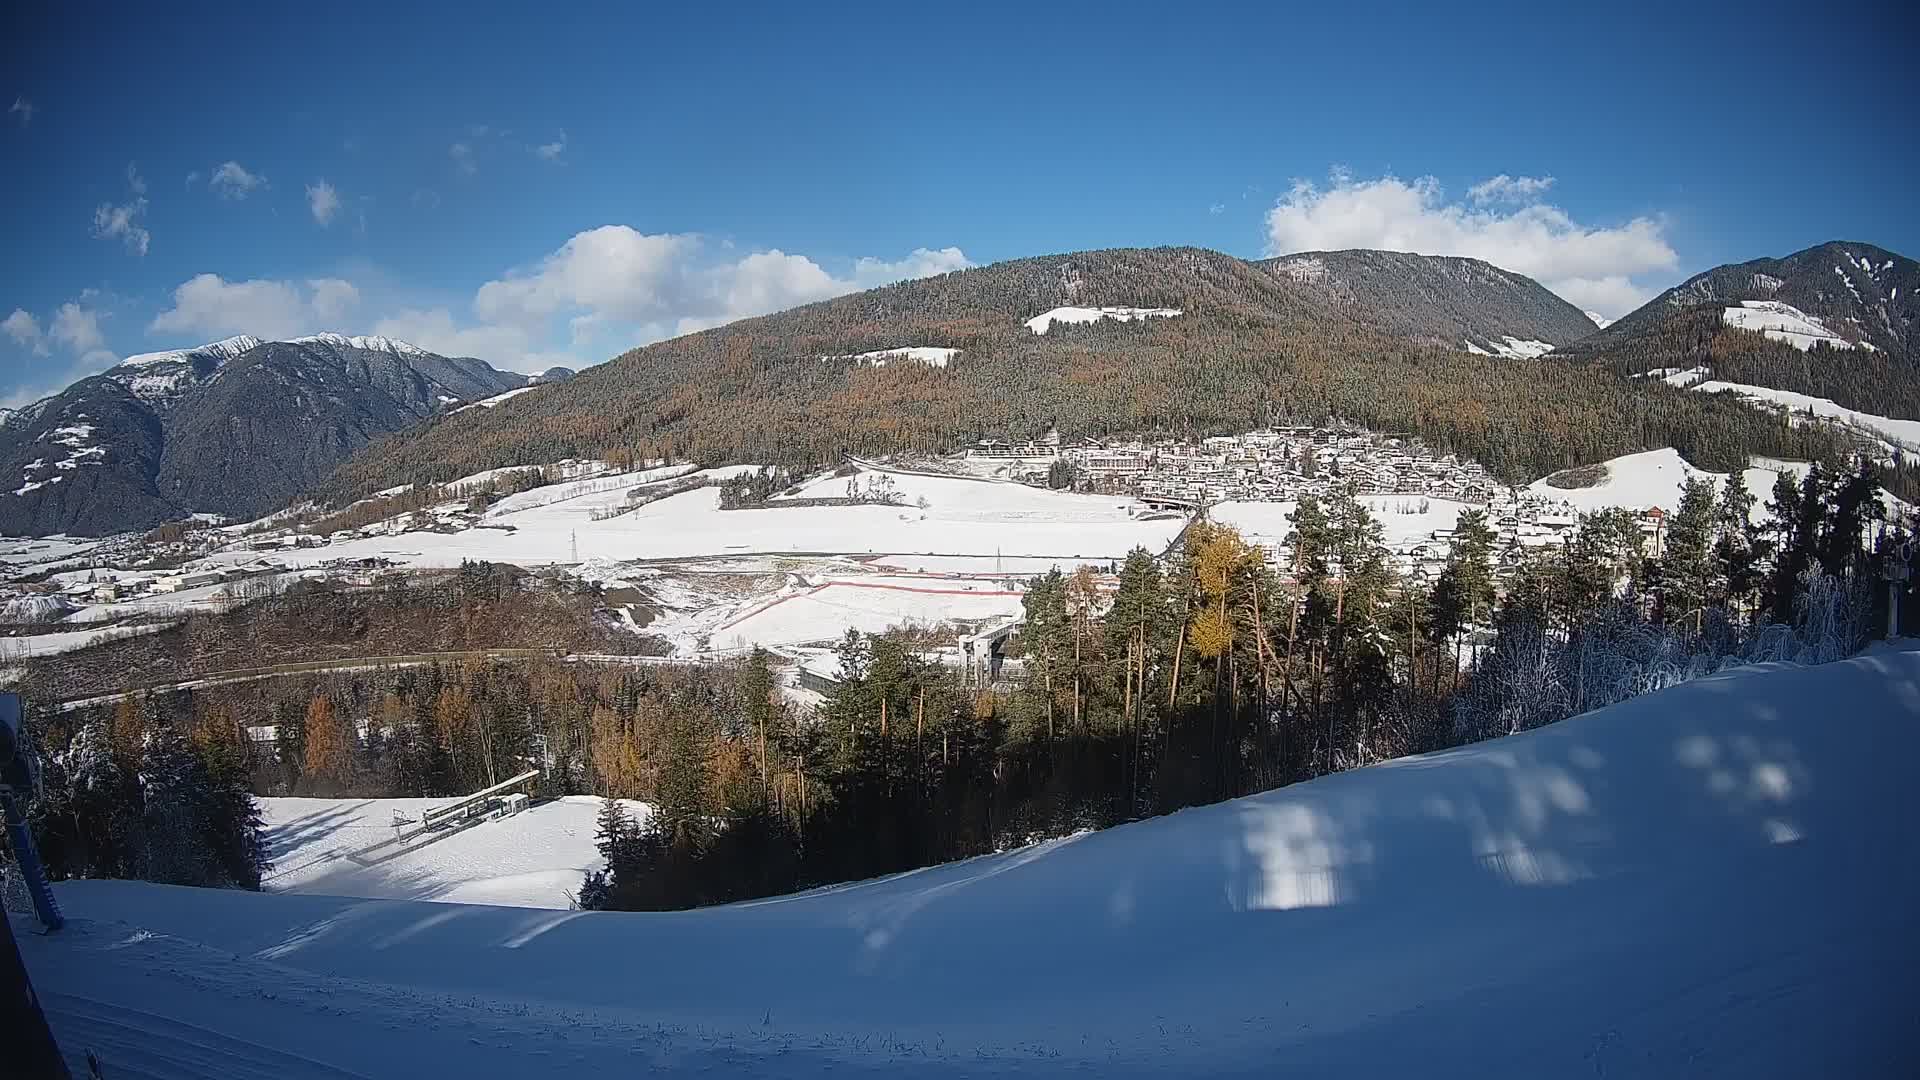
(24, 109)
(193, 177)
(323, 200)
(552, 151)
(210, 307)
(509, 347)
(233, 181)
(613, 270)
(1217, 209)
(25, 331)
(1504, 188)
(1591, 266)
(665, 281)
(425, 199)
(76, 327)
(462, 155)
(123, 221)
(919, 263)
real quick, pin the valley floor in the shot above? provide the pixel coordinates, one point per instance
(1715, 880)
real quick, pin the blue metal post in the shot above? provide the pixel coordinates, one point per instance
(28, 859)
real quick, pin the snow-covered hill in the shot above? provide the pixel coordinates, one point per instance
(1784, 322)
(1714, 880)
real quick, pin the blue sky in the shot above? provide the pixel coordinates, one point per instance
(555, 189)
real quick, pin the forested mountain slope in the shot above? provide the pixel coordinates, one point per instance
(1857, 292)
(1436, 300)
(237, 427)
(1788, 324)
(1250, 346)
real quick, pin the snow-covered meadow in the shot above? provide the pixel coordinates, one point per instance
(534, 859)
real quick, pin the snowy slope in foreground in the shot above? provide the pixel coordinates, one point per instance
(534, 859)
(1716, 880)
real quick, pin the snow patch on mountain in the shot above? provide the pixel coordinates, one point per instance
(1893, 433)
(1599, 320)
(367, 342)
(930, 355)
(1783, 322)
(1044, 321)
(497, 399)
(1512, 348)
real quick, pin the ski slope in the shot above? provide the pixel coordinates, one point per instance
(1717, 880)
(534, 859)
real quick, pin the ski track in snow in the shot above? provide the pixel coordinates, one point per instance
(1713, 880)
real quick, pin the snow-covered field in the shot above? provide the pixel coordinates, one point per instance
(1657, 478)
(930, 355)
(1400, 517)
(1044, 321)
(961, 517)
(1903, 434)
(826, 611)
(1783, 322)
(534, 859)
(1716, 880)
(1513, 348)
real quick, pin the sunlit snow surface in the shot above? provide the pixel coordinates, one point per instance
(1783, 322)
(534, 859)
(1714, 880)
(1044, 321)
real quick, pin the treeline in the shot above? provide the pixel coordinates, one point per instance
(131, 795)
(1251, 348)
(1220, 674)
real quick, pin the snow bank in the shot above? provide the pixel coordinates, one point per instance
(1044, 321)
(1710, 880)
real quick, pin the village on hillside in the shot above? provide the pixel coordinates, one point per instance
(1404, 482)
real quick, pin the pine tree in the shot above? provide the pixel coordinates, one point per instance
(104, 803)
(1687, 565)
(176, 811)
(1737, 547)
(1797, 517)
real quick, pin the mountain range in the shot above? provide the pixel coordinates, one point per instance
(1179, 341)
(1175, 341)
(237, 427)
(1856, 293)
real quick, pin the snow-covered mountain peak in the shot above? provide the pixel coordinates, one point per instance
(223, 350)
(1599, 320)
(368, 342)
